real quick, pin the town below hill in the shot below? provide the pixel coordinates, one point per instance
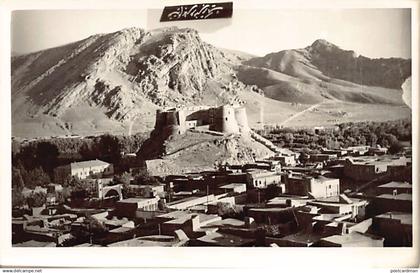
(341, 186)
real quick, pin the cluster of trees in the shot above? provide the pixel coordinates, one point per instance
(38, 198)
(141, 177)
(386, 134)
(34, 162)
(127, 144)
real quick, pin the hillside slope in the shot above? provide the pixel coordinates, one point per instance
(125, 75)
(115, 82)
(324, 71)
(196, 151)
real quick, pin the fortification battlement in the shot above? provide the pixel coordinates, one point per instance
(225, 119)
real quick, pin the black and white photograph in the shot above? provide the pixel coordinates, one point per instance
(202, 125)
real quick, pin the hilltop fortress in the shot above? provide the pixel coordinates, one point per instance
(189, 139)
(225, 119)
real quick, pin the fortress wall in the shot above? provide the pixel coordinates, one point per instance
(172, 118)
(160, 119)
(170, 130)
(242, 119)
(181, 120)
(202, 117)
(225, 120)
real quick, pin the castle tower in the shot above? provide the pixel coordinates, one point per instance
(228, 121)
(181, 121)
(241, 119)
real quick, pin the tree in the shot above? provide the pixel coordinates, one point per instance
(37, 199)
(396, 148)
(62, 178)
(36, 177)
(227, 210)
(109, 147)
(93, 228)
(124, 178)
(303, 157)
(94, 225)
(18, 199)
(144, 178)
(17, 180)
(27, 157)
(90, 228)
(47, 154)
(372, 139)
(129, 192)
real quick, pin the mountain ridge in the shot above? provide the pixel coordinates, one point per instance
(334, 62)
(116, 81)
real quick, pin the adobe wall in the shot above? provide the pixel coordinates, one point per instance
(224, 120)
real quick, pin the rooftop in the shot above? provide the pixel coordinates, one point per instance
(336, 199)
(227, 222)
(152, 240)
(201, 217)
(375, 160)
(121, 229)
(401, 196)
(188, 199)
(351, 238)
(405, 218)
(136, 200)
(174, 214)
(33, 243)
(232, 185)
(327, 216)
(223, 239)
(180, 214)
(274, 209)
(302, 238)
(88, 164)
(394, 184)
(259, 172)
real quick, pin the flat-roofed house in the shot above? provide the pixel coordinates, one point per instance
(396, 227)
(354, 239)
(369, 168)
(261, 179)
(317, 187)
(84, 169)
(341, 205)
(392, 202)
(186, 221)
(394, 187)
(285, 159)
(234, 187)
(128, 207)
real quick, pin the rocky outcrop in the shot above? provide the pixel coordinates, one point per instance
(115, 82)
(119, 71)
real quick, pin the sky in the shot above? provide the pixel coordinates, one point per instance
(373, 33)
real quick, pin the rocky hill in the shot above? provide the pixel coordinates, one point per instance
(125, 75)
(325, 71)
(198, 151)
(115, 82)
(325, 61)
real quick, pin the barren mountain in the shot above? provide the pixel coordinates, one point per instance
(115, 82)
(126, 75)
(325, 71)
